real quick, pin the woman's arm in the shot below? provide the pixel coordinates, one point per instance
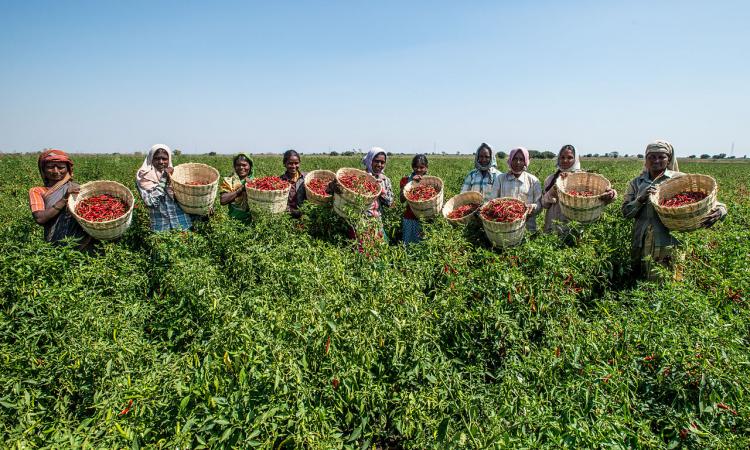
(535, 196)
(228, 197)
(634, 200)
(386, 197)
(45, 215)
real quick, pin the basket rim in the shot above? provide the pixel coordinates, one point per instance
(250, 188)
(496, 200)
(675, 210)
(188, 164)
(370, 196)
(75, 201)
(430, 178)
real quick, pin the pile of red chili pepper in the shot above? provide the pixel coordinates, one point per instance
(197, 183)
(507, 210)
(682, 199)
(575, 193)
(267, 184)
(101, 208)
(359, 184)
(463, 211)
(319, 185)
(421, 193)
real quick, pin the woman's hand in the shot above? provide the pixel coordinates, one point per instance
(609, 195)
(417, 178)
(73, 189)
(711, 218)
(564, 175)
(643, 196)
(530, 208)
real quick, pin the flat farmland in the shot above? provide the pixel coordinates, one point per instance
(278, 334)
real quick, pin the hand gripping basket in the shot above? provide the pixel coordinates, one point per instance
(270, 201)
(430, 208)
(503, 234)
(462, 199)
(313, 196)
(687, 217)
(111, 229)
(582, 209)
(349, 204)
(193, 199)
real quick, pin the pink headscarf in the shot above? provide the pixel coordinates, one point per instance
(526, 159)
(147, 176)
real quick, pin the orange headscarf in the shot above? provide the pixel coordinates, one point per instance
(55, 155)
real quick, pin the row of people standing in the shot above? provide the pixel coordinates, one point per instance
(651, 241)
(518, 183)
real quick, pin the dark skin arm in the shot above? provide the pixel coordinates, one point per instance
(44, 216)
(229, 197)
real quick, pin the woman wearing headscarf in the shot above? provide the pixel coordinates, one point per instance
(520, 184)
(374, 162)
(484, 176)
(652, 242)
(49, 202)
(153, 183)
(233, 187)
(296, 178)
(567, 162)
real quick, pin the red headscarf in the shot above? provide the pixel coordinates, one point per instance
(54, 155)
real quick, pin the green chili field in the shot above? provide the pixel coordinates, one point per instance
(278, 334)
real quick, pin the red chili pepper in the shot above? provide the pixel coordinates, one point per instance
(335, 383)
(682, 199)
(198, 183)
(507, 210)
(127, 408)
(359, 184)
(328, 344)
(267, 184)
(463, 211)
(580, 193)
(101, 208)
(319, 186)
(726, 407)
(422, 193)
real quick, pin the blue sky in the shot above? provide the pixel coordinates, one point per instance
(109, 76)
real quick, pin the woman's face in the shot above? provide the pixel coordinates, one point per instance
(378, 163)
(518, 163)
(161, 160)
(657, 162)
(419, 169)
(55, 171)
(292, 165)
(484, 157)
(242, 168)
(567, 158)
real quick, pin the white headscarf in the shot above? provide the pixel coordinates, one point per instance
(491, 164)
(660, 146)
(147, 176)
(367, 160)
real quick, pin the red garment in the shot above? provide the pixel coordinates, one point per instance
(408, 213)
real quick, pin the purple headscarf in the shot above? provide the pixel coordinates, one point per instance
(526, 158)
(367, 160)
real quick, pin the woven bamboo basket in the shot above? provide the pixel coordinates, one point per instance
(461, 199)
(582, 209)
(349, 204)
(198, 200)
(426, 209)
(313, 196)
(274, 202)
(686, 217)
(111, 229)
(503, 234)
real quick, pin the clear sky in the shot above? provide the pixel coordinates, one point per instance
(119, 76)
